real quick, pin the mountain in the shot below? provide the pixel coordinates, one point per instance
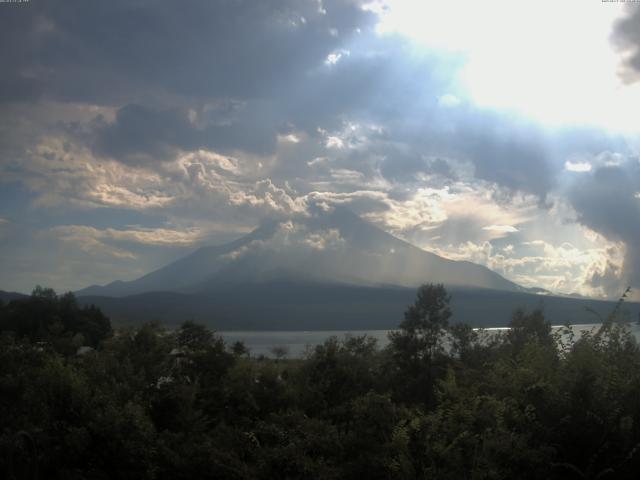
(330, 248)
(6, 297)
(331, 271)
(305, 306)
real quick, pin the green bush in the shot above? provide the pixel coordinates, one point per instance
(441, 401)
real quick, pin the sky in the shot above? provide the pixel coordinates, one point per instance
(501, 132)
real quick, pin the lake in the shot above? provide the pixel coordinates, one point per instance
(296, 342)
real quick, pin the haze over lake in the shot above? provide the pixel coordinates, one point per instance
(297, 343)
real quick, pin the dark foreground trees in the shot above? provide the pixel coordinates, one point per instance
(56, 320)
(417, 348)
(440, 401)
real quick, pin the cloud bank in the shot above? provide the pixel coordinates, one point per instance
(140, 130)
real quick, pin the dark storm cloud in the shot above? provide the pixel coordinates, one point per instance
(380, 78)
(22, 34)
(607, 201)
(156, 60)
(383, 82)
(404, 167)
(507, 155)
(506, 150)
(626, 36)
(518, 157)
(140, 134)
(92, 50)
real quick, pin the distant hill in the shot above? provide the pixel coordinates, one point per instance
(295, 306)
(337, 247)
(6, 297)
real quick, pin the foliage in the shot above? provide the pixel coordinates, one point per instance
(416, 348)
(59, 321)
(440, 401)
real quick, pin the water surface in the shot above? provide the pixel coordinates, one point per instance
(297, 342)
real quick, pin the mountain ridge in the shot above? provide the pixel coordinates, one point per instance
(331, 247)
(315, 306)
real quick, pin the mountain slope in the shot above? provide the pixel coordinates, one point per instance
(307, 306)
(191, 270)
(6, 297)
(337, 247)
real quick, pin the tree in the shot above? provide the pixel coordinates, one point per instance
(239, 349)
(194, 337)
(280, 351)
(415, 346)
(529, 327)
(44, 293)
(424, 324)
(47, 317)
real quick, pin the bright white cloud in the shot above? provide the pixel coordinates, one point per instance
(448, 100)
(501, 228)
(294, 237)
(334, 142)
(329, 239)
(579, 167)
(318, 161)
(345, 175)
(558, 268)
(289, 138)
(63, 173)
(549, 60)
(352, 136)
(335, 57)
(270, 198)
(89, 241)
(141, 236)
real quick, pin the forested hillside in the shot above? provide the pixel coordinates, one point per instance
(80, 401)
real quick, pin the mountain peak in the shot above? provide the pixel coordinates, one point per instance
(335, 246)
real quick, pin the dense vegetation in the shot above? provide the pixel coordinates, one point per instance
(441, 401)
